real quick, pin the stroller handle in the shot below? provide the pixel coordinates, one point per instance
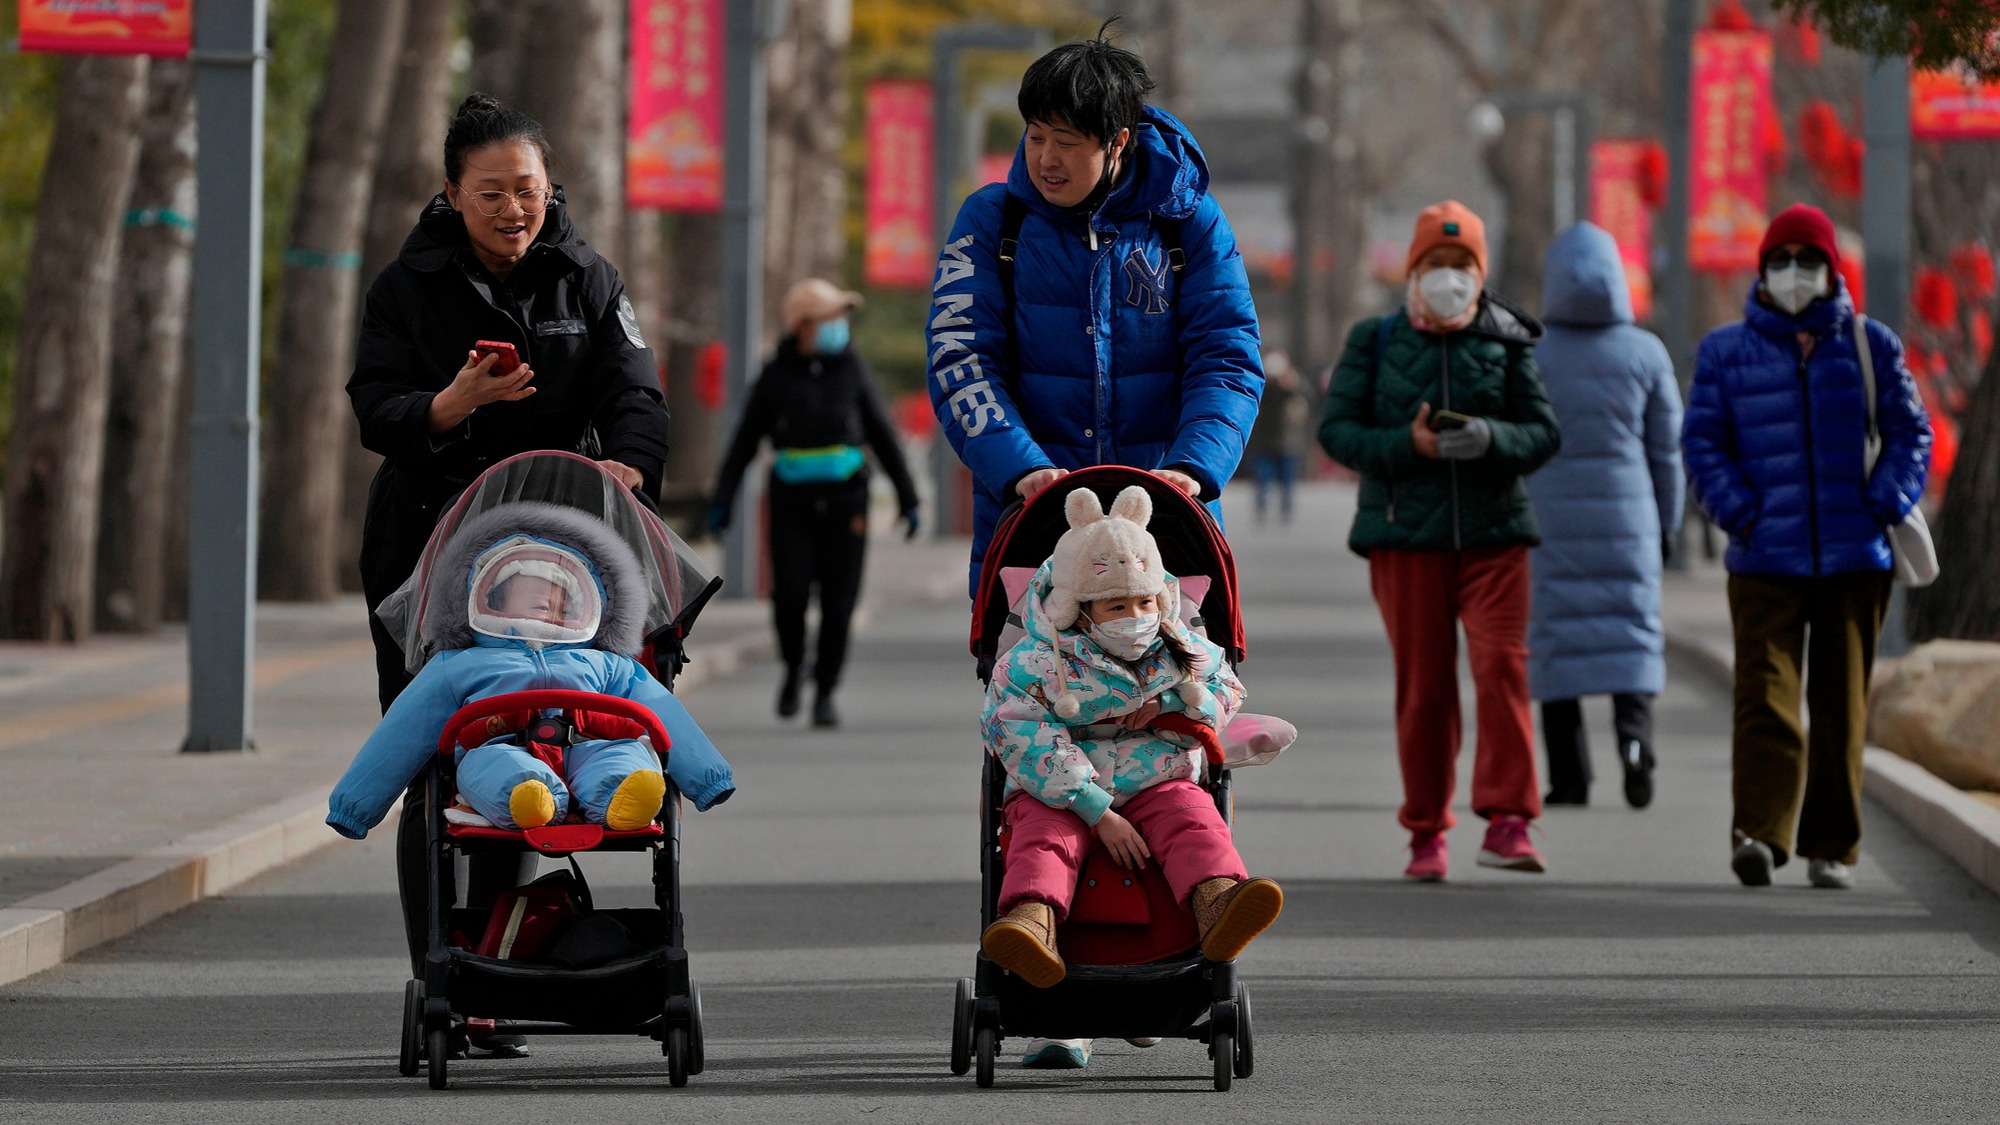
(545, 698)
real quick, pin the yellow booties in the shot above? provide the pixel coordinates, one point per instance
(636, 802)
(531, 805)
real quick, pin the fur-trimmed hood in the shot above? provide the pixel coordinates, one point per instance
(621, 579)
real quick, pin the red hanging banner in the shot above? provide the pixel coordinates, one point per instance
(902, 252)
(673, 140)
(1945, 106)
(1727, 196)
(108, 27)
(1618, 204)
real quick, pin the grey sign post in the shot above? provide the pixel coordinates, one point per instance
(1885, 229)
(748, 30)
(1675, 315)
(955, 152)
(222, 588)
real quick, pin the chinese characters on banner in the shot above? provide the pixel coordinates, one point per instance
(1944, 106)
(1726, 187)
(673, 142)
(1617, 203)
(108, 27)
(901, 250)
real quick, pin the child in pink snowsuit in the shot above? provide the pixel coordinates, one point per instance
(1100, 715)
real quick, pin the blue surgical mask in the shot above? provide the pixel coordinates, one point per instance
(831, 338)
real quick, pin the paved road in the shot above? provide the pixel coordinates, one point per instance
(833, 902)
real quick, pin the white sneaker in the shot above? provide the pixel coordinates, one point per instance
(1752, 862)
(1058, 1054)
(1829, 874)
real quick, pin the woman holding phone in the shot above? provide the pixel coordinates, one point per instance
(1440, 409)
(496, 331)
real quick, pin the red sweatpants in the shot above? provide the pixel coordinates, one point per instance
(1424, 597)
(1046, 847)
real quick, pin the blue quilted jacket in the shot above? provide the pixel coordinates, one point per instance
(1121, 362)
(1774, 439)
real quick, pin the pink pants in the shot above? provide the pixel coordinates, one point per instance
(1046, 847)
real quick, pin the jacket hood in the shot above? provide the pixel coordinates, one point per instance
(1827, 315)
(1166, 176)
(1502, 320)
(1583, 283)
(618, 571)
(440, 234)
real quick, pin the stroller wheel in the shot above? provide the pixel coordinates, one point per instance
(413, 1028)
(1246, 1061)
(438, 1045)
(697, 1048)
(677, 1056)
(985, 1048)
(961, 1027)
(1222, 1046)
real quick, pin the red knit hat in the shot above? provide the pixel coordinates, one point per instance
(1808, 226)
(1450, 223)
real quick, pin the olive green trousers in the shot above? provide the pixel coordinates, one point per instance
(1785, 780)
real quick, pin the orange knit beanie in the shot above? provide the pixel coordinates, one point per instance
(1450, 223)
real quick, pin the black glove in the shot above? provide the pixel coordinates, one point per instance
(909, 518)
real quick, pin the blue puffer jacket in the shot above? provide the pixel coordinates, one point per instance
(1121, 362)
(1613, 491)
(1774, 440)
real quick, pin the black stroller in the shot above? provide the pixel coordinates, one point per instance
(1135, 969)
(632, 978)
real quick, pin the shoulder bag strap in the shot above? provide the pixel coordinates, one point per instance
(1874, 439)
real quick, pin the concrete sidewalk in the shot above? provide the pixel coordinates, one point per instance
(107, 826)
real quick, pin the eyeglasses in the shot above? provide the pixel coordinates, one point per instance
(493, 204)
(1807, 258)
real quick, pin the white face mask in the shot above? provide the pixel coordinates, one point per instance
(1448, 292)
(1126, 638)
(1795, 286)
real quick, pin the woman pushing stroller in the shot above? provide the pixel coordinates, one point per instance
(1101, 716)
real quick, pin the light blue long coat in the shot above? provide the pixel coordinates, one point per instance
(1615, 489)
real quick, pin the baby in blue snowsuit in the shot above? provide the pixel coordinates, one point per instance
(537, 612)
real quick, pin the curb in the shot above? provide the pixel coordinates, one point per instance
(39, 933)
(1961, 826)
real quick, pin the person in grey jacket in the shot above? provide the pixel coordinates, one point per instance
(1606, 504)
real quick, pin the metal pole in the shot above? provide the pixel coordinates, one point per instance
(1675, 316)
(743, 187)
(229, 170)
(1885, 228)
(1564, 122)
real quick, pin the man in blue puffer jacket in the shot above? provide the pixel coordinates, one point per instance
(1774, 440)
(1129, 337)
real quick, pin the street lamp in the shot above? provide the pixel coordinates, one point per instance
(1570, 117)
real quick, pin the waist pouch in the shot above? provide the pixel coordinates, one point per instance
(822, 464)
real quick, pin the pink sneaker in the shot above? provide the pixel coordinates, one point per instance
(1428, 861)
(1507, 846)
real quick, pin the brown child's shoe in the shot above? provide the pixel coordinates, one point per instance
(1024, 943)
(1229, 914)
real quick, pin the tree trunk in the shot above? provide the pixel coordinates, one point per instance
(149, 360)
(1964, 603)
(576, 88)
(1519, 162)
(500, 31)
(1328, 197)
(310, 423)
(693, 316)
(408, 172)
(804, 231)
(62, 377)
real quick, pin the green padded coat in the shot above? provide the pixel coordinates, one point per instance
(1487, 369)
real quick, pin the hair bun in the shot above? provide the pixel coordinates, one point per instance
(477, 102)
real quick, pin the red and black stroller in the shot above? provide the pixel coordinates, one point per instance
(542, 961)
(1134, 966)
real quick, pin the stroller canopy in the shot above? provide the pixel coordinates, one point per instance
(669, 579)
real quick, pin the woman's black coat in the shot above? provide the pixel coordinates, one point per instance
(565, 311)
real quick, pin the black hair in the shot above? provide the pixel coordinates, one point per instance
(1092, 86)
(480, 121)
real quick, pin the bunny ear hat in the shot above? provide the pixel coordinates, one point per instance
(1107, 555)
(1104, 554)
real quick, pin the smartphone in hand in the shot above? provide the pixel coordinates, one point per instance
(509, 358)
(1442, 420)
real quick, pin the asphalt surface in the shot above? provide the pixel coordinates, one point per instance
(833, 902)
